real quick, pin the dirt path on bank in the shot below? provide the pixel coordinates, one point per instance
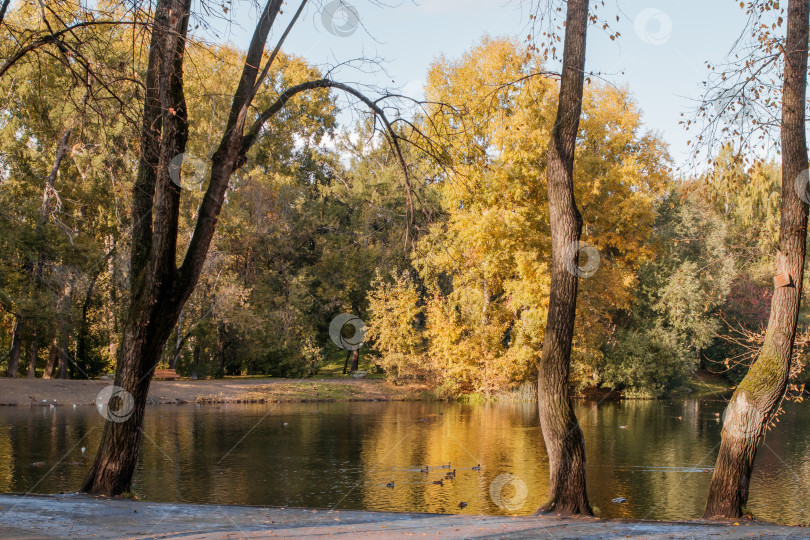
(38, 392)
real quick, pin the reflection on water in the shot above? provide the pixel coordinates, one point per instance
(657, 455)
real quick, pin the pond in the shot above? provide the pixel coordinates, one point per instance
(657, 455)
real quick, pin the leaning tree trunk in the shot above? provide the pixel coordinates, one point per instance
(112, 470)
(760, 392)
(564, 440)
(16, 345)
(158, 288)
(154, 308)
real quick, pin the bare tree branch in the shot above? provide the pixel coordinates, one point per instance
(250, 137)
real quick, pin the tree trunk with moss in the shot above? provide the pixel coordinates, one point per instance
(760, 392)
(564, 440)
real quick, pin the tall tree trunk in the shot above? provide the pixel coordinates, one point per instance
(158, 288)
(32, 357)
(64, 361)
(155, 303)
(83, 334)
(758, 395)
(222, 344)
(64, 329)
(16, 345)
(179, 341)
(53, 355)
(48, 194)
(355, 359)
(196, 364)
(113, 310)
(346, 362)
(564, 440)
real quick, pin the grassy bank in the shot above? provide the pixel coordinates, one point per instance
(332, 387)
(704, 384)
(38, 392)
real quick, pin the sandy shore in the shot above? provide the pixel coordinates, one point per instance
(77, 516)
(38, 392)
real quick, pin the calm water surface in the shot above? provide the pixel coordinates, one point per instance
(342, 455)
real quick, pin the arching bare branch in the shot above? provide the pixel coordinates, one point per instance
(250, 137)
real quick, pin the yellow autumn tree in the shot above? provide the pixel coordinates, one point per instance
(394, 308)
(486, 265)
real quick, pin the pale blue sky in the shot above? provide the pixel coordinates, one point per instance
(662, 62)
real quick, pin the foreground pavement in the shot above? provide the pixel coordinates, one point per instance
(79, 516)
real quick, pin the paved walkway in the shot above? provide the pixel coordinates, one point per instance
(78, 516)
